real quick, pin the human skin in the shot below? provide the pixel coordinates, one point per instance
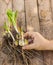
(39, 42)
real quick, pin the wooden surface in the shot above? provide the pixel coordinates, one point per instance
(36, 15)
(4, 5)
(46, 26)
(32, 15)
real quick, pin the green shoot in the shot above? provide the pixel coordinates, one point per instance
(20, 34)
(22, 41)
(8, 30)
(12, 19)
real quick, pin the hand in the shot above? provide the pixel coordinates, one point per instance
(39, 42)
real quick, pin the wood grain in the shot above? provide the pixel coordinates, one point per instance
(4, 5)
(46, 26)
(32, 20)
(32, 15)
(19, 6)
(36, 15)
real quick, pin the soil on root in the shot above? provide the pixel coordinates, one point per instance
(12, 55)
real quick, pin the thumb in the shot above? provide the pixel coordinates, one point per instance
(28, 47)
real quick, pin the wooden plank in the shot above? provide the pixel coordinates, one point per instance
(19, 6)
(52, 5)
(46, 25)
(4, 5)
(45, 18)
(51, 1)
(32, 20)
(32, 15)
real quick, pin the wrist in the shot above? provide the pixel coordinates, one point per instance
(45, 45)
(49, 45)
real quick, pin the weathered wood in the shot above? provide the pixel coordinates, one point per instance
(51, 1)
(46, 25)
(32, 20)
(19, 6)
(32, 15)
(36, 17)
(4, 5)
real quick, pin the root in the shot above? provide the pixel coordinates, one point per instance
(20, 56)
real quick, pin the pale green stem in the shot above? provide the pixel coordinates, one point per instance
(16, 29)
(23, 39)
(12, 36)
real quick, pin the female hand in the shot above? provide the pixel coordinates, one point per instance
(39, 42)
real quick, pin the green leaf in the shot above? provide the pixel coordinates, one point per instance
(6, 27)
(9, 14)
(12, 16)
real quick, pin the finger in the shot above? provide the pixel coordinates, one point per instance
(30, 41)
(28, 35)
(28, 47)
